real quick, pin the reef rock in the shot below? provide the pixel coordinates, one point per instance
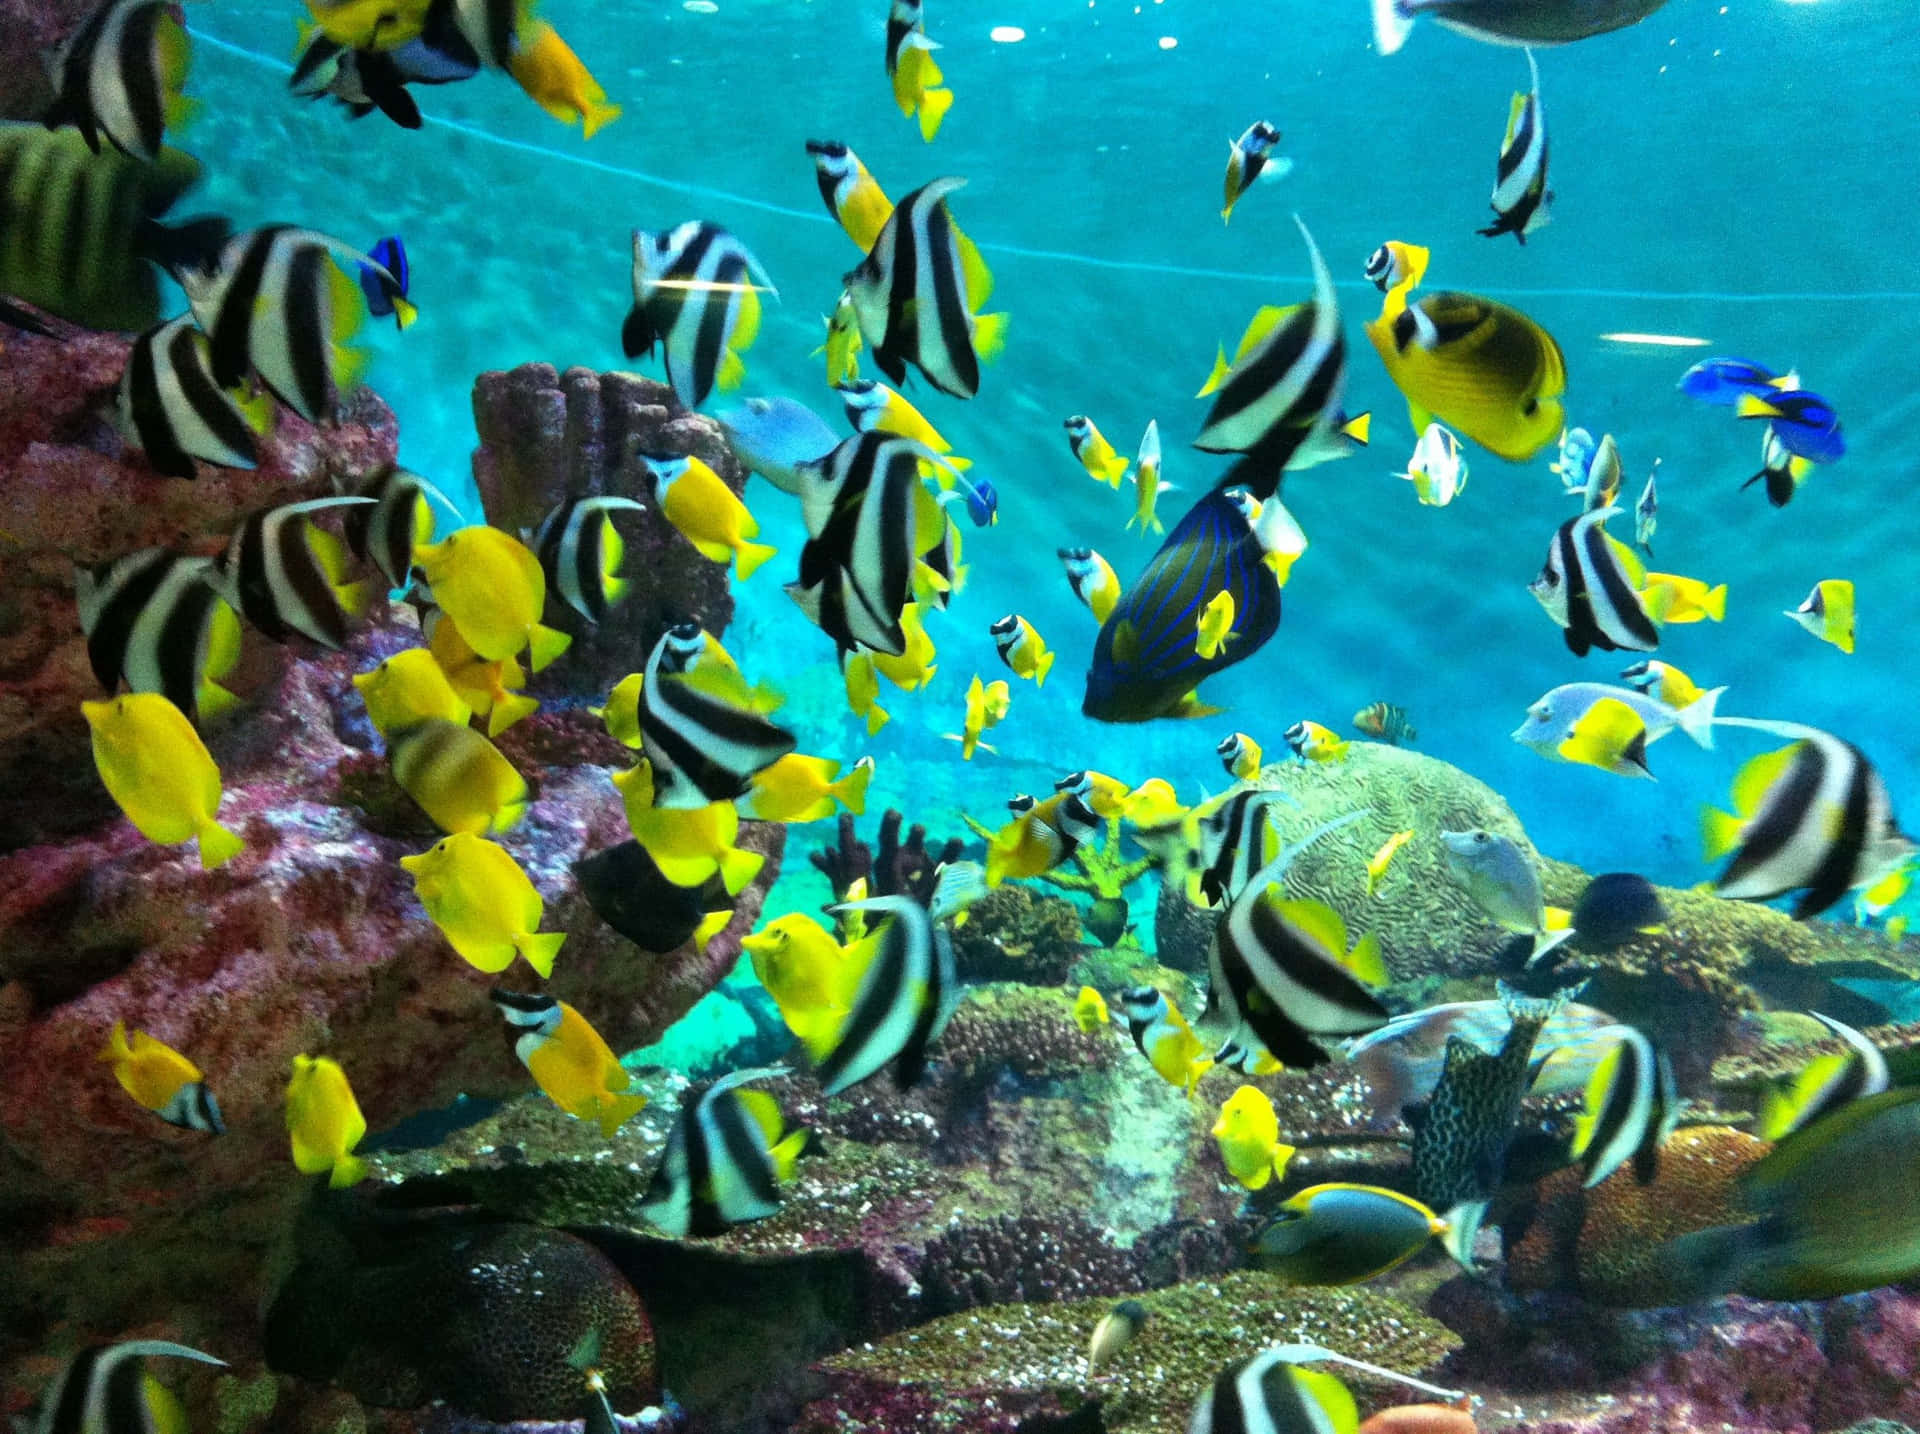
(547, 436)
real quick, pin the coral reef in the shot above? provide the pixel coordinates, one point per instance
(28, 29)
(546, 436)
(890, 867)
(1014, 934)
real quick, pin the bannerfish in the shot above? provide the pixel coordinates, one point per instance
(104, 1389)
(1268, 1393)
(118, 77)
(287, 577)
(580, 551)
(696, 295)
(397, 524)
(1521, 198)
(1630, 1108)
(702, 727)
(903, 1000)
(1824, 1084)
(169, 406)
(153, 620)
(727, 1156)
(1590, 586)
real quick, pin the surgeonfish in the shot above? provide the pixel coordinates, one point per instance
(569, 1060)
(104, 1389)
(1827, 612)
(1092, 579)
(119, 77)
(726, 1157)
(691, 846)
(1723, 382)
(385, 282)
(708, 514)
(324, 1122)
(159, 773)
(1386, 722)
(1590, 586)
(1343, 1234)
(1269, 1393)
(1240, 755)
(919, 292)
(1282, 541)
(1805, 423)
(987, 705)
(1813, 817)
(1177, 1055)
(807, 972)
(1521, 198)
(1396, 265)
(1824, 1084)
(1782, 470)
(285, 576)
(1247, 158)
(772, 436)
(903, 1000)
(1103, 463)
(153, 620)
(798, 788)
(398, 523)
(1508, 22)
(1090, 1011)
(852, 195)
(580, 551)
(169, 406)
(1022, 648)
(1216, 626)
(492, 689)
(490, 585)
(696, 294)
(483, 903)
(1630, 1109)
(917, 81)
(1311, 742)
(555, 79)
(1437, 470)
(162, 1080)
(1503, 883)
(1615, 907)
(1117, 1329)
(459, 778)
(704, 730)
(1561, 726)
(1378, 863)
(407, 689)
(1667, 684)
(1248, 1136)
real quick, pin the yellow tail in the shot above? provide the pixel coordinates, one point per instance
(738, 868)
(347, 1170)
(934, 105)
(1041, 669)
(540, 949)
(877, 717)
(596, 117)
(544, 644)
(1716, 603)
(1719, 832)
(711, 925)
(989, 336)
(509, 710)
(617, 1110)
(218, 846)
(851, 790)
(116, 1048)
(748, 557)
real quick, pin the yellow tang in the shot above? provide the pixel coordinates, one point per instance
(483, 903)
(159, 772)
(491, 689)
(799, 788)
(324, 1121)
(408, 688)
(687, 846)
(458, 777)
(493, 589)
(558, 82)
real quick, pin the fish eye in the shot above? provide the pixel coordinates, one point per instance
(1482, 838)
(1540, 711)
(1530, 407)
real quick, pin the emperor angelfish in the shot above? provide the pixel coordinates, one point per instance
(1520, 194)
(918, 294)
(154, 620)
(103, 1389)
(285, 576)
(1508, 22)
(704, 741)
(696, 293)
(119, 76)
(170, 407)
(903, 1002)
(1814, 817)
(1588, 587)
(726, 1157)
(580, 550)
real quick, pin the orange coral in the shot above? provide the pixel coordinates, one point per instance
(1420, 1419)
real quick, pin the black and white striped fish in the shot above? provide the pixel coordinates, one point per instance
(154, 620)
(905, 997)
(368, 79)
(1283, 391)
(399, 521)
(1587, 587)
(580, 550)
(726, 1158)
(695, 293)
(1271, 1394)
(1521, 198)
(279, 305)
(171, 408)
(119, 75)
(286, 576)
(1281, 980)
(1824, 1084)
(1631, 1108)
(1814, 818)
(704, 736)
(918, 295)
(1236, 842)
(103, 1389)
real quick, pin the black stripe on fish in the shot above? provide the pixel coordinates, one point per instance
(382, 533)
(702, 749)
(231, 332)
(570, 551)
(902, 1002)
(137, 61)
(740, 1170)
(194, 1108)
(1283, 986)
(185, 357)
(958, 369)
(304, 305)
(277, 583)
(902, 20)
(122, 1394)
(1617, 610)
(65, 1410)
(1257, 1396)
(146, 618)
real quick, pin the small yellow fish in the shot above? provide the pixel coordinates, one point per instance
(806, 789)
(843, 345)
(1670, 598)
(1108, 796)
(852, 195)
(552, 74)
(1828, 612)
(1093, 580)
(161, 1079)
(408, 688)
(324, 1121)
(916, 79)
(1029, 845)
(621, 714)
(1177, 1055)
(1377, 863)
(1248, 1134)
(1240, 755)
(159, 773)
(987, 706)
(874, 408)
(1313, 743)
(1022, 648)
(570, 1061)
(491, 586)
(1609, 735)
(707, 512)
(687, 845)
(458, 777)
(1090, 1012)
(491, 689)
(913, 668)
(806, 971)
(1396, 265)
(863, 690)
(1153, 804)
(1215, 628)
(1096, 454)
(1147, 484)
(1281, 538)
(370, 24)
(481, 900)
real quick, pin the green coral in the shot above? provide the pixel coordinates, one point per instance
(1100, 870)
(244, 1406)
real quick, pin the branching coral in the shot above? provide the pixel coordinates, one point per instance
(894, 867)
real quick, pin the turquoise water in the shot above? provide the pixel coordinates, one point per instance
(1721, 172)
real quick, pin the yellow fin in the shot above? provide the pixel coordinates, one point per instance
(1719, 832)
(978, 276)
(217, 845)
(540, 949)
(1221, 368)
(509, 710)
(711, 925)
(1752, 781)
(934, 105)
(617, 1110)
(738, 868)
(1366, 961)
(989, 336)
(544, 644)
(748, 557)
(347, 1170)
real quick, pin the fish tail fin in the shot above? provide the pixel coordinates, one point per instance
(1259, 475)
(1751, 405)
(1546, 941)
(851, 790)
(509, 710)
(404, 312)
(877, 717)
(544, 644)
(540, 949)
(748, 557)
(1696, 718)
(934, 105)
(711, 925)
(1719, 832)
(1045, 665)
(1360, 428)
(738, 867)
(1218, 374)
(1716, 603)
(597, 116)
(1463, 1224)
(616, 1110)
(787, 1152)
(1391, 26)
(989, 336)
(218, 846)
(347, 1170)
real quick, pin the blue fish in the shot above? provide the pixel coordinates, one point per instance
(983, 501)
(1723, 381)
(387, 293)
(1145, 661)
(772, 436)
(1804, 422)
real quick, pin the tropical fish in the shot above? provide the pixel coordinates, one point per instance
(483, 903)
(1225, 844)
(1630, 1109)
(1041, 836)
(1782, 470)
(1281, 539)
(1377, 863)
(1386, 722)
(1805, 423)
(1502, 882)
(407, 689)
(119, 77)
(807, 972)
(491, 689)
(171, 409)
(580, 552)
(841, 351)
(1240, 755)
(1823, 1085)
(491, 586)
(1313, 743)
(458, 777)
(1590, 586)
(1248, 1134)
(852, 195)
(1616, 907)
(385, 282)
(1646, 512)
(1508, 22)
(1520, 194)
(387, 532)
(366, 79)
(324, 1122)
(1574, 458)
(1269, 1393)
(983, 501)
(1667, 684)
(1177, 1055)
(1675, 598)
(1243, 1052)
(696, 294)
(1827, 612)
(872, 407)
(902, 1002)
(1602, 470)
(689, 847)
(958, 887)
(1485, 370)
(556, 80)
(1117, 1329)
(1247, 159)
(1343, 1234)
(797, 788)
(1723, 382)
(919, 293)
(1022, 648)
(162, 1080)
(862, 682)
(1813, 817)
(153, 620)
(702, 727)
(286, 576)
(1605, 727)
(1396, 265)
(568, 1060)
(1090, 1012)
(104, 1390)
(1096, 455)
(987, 706)
(159, 773)
(1147, 482)
(707, 512)
(1216, 626)
(917, 86)
(773, 436)
(1437, 470)
(727, 1156)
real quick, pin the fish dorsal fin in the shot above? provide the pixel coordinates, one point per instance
(1264, 322)
(1629, 561)
(1752, 782)
(1340, 1415)
(1316, 920)
(973, 268)
(1599, 1086)
(1366, 961)
(764, 1111)
(1514, 112)
(726, 684)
